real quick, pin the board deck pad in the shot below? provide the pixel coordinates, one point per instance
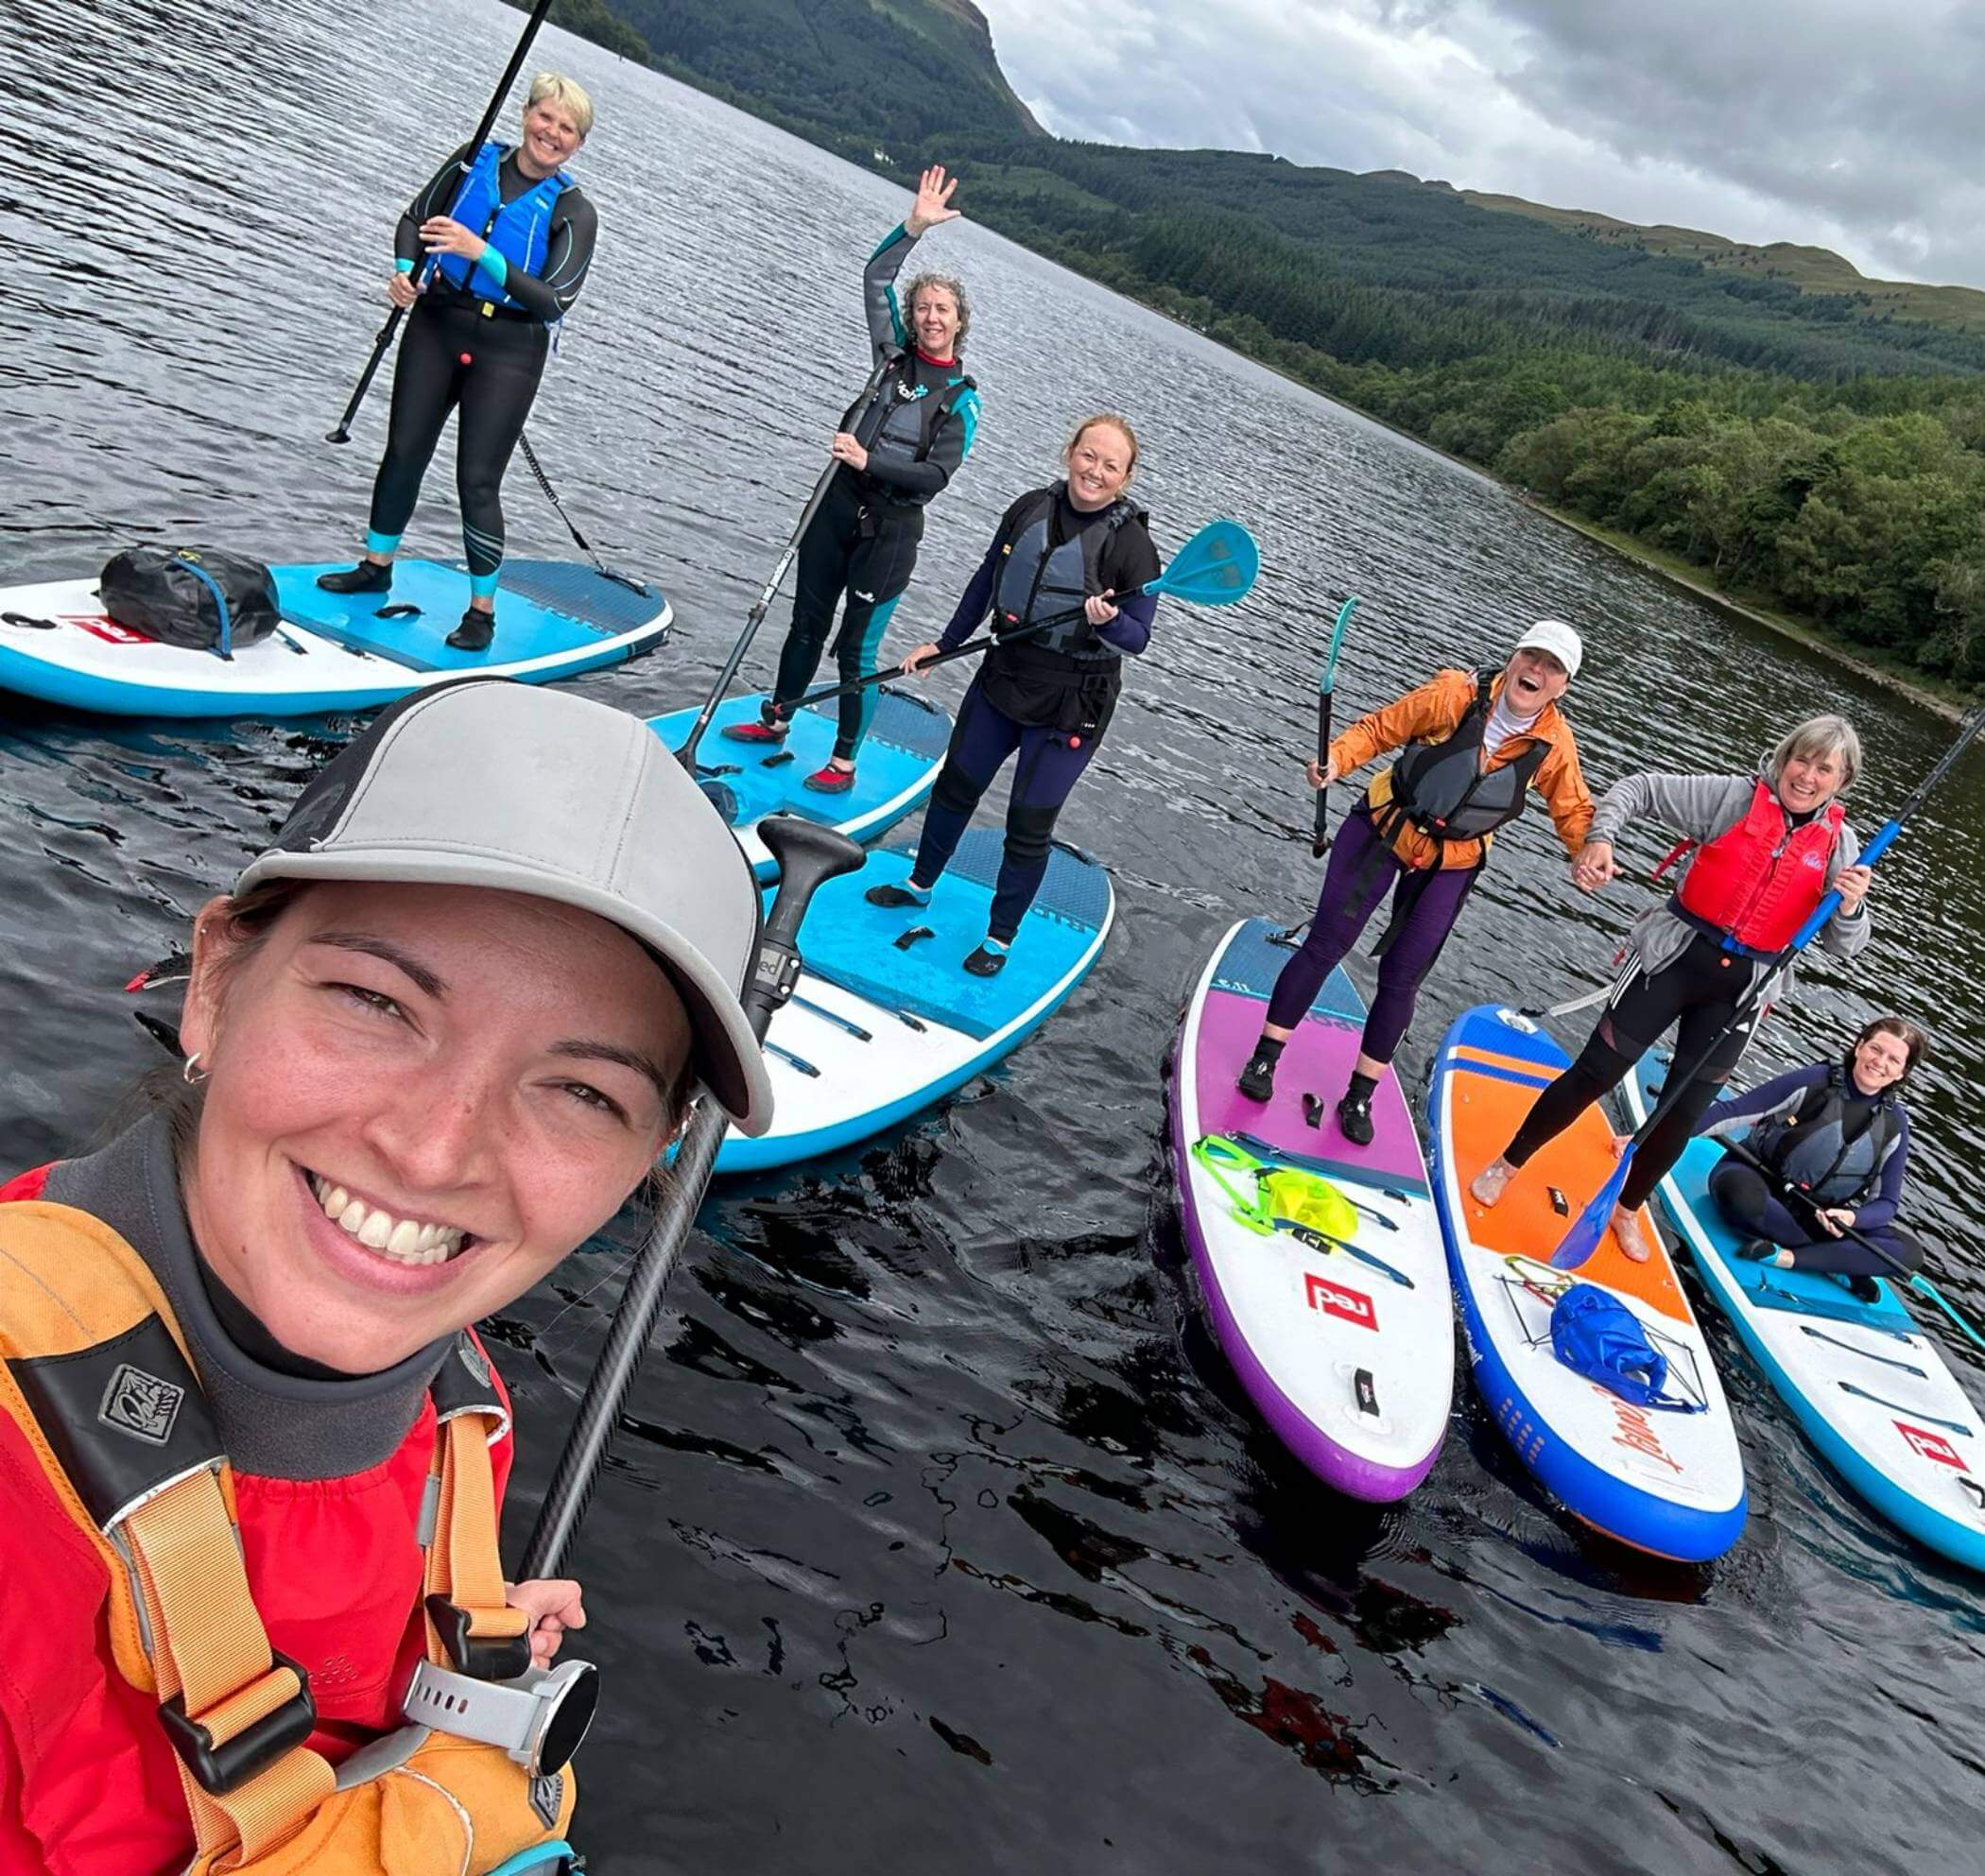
(1902, 1432)
(554, 619)
(894, 771)
(1667, 1482)
(1351, 1369)
(927, 1024)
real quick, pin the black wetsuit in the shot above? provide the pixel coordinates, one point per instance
(462, 348)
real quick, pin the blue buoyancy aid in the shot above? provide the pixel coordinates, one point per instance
(519, 229)
(1811, 1148)
(1037, 581)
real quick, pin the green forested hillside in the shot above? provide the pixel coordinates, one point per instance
(1798, 436)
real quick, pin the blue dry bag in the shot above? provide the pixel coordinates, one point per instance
(1595, 1334)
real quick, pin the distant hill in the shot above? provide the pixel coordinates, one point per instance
(1811, 270)
(1805, 437)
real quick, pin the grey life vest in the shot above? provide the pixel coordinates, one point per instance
(1443, 789)
(902, 424)
(1810, 1147)
(1037, 581)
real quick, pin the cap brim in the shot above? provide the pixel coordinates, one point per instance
(724, 1052)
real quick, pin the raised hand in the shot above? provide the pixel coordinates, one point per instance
(933, 203)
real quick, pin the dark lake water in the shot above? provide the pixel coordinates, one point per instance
(941, 1534)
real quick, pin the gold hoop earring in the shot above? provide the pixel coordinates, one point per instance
(191, 1072)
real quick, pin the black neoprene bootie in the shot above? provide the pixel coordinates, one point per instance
(475, 630)
(895, 896)
(366, 576)
(989, 961)
(1354, 1119)
(1257, 1080)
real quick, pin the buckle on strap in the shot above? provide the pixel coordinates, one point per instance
(224, 1767)
(480, 1656)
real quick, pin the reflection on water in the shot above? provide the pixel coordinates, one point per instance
(938, 1524)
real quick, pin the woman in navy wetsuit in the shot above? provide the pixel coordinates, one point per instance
(511, 236)
(1836, 1137)
(1059, 558)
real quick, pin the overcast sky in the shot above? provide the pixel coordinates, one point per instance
(1848, 123)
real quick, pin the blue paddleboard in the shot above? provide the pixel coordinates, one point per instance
(893, 775)
(880, 1029)
(334, 651)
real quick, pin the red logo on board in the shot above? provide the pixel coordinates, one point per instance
(1932, 1445)
(1334, 1299)
(106, 628)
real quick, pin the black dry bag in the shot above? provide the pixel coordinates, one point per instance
(198, 598)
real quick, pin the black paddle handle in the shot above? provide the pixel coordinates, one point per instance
(1320, 833)
(808, 856)
(341, 432)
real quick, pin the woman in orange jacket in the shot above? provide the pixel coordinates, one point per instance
(1478, 743)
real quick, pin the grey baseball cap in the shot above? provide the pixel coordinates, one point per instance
(483, 782)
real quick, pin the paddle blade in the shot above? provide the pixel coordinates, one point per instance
(1328, 682)
(1589, 1227)
(1214, 568)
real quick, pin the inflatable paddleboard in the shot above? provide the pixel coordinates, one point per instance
(1349, 1354)
(896, 772)
(887, 1020)
(334, 651)
(1872, 1393)
(1671, 1483)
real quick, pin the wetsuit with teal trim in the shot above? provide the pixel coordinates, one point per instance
(862, 540)
(476, 341)
(1049, 706)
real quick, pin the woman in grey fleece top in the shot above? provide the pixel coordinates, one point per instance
(1770, 847)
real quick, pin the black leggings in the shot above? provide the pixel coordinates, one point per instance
(490, 366)
(867, 552)
(1698, 993)
(1750, 1202)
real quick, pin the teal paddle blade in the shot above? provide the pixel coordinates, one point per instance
(1328, 682)
(1214, 568)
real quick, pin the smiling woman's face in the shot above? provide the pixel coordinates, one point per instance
(418, 1099)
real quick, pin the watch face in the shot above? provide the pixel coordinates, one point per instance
(566, 1726)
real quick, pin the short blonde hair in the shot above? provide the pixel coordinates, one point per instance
(1121, 424)
(568, 91)
(1820, 736)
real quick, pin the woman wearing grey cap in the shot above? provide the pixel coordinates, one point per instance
(1479, 741)
(436, 1036)
(1769, 847)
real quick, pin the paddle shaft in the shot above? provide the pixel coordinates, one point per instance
(342, 432)
(1915, 1279)
(808, 856)
(1326, 692)
(971, 649)
(755, 617)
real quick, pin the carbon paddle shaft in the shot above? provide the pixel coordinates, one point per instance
(342, 433)
(1320, 834)
(971, 649)
(755, 617)
(808, 856)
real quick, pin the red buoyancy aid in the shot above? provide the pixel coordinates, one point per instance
(1758, 881)
(335, 1567)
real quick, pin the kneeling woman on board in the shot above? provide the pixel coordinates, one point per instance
(898, 449)
(1834, 1138)
(254, 1454)
(1048, 694)
(1481, 742)
(1768, 848)
(510, 251)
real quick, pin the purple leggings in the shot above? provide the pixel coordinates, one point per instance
(1360, 873)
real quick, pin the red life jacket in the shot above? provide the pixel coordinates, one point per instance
(335, 1567)
(1757, 882)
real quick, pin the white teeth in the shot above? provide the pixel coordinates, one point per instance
(403, 1240)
